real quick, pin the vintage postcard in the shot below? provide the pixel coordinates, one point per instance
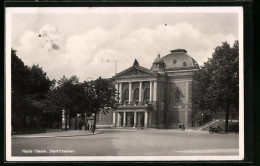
(124, 84)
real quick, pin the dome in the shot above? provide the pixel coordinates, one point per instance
(158, 59)
(179, 59)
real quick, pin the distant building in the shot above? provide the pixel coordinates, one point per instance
(160, 97)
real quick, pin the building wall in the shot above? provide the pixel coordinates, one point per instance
(179, 111)
(161, 83)
(105, 118)
(166, 112)
(153, 115)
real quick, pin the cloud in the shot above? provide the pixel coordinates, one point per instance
(94, 51)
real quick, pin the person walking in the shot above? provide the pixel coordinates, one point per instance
(91, 126)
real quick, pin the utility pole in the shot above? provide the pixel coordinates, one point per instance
(116, 67)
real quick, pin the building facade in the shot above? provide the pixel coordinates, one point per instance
(160, 97)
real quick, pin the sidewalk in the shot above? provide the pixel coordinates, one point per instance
(69, 133)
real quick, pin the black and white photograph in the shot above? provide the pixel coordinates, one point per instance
(124, 84)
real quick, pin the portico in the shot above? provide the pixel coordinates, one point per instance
(143, 93)
(135, 118)
(137, 88)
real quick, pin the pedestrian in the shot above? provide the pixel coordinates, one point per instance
(80, 126)
(91, 126)
(180, 125)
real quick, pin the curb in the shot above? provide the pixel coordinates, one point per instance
(53, 136)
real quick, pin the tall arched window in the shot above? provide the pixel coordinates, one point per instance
(146, 95)
(177, 95)
(126, 95)
(136, 95)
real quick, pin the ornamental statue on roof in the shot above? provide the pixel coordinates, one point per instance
(136, 63)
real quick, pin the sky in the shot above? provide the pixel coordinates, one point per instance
(90, 43)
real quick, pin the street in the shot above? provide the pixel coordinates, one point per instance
(125, 142)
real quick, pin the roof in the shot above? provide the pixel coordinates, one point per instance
(158, 59)
(137, 67)
(178, 60)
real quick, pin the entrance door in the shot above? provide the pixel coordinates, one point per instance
(129, 119)
(140, 119)
(122, 119)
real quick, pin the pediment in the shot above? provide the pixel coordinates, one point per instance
(135, 71)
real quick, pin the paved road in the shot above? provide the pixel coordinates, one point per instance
(125, 142)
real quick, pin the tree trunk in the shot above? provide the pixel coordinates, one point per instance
(94, 126)
(227, 116)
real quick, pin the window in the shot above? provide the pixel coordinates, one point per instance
(146, 95)
(177, 95)
(126, 95)
(136, 95)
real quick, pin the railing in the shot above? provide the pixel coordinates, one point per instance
(204, 124)
(133, 104)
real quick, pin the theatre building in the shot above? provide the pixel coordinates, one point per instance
(160, 97)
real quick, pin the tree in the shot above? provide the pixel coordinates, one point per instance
(65, 96)
(29, 88)
(19, 73)
(102, 97)
(218, 81)
(91, 98)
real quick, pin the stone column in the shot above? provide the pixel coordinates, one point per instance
(63, 119)
(134, 119)
(155, 91)
(114, 118)
(140, 92)
(119, 119)
(120, 93)
(130, 93)
(151, 91)
(150, 118)
(145, 119)
(124, 120)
